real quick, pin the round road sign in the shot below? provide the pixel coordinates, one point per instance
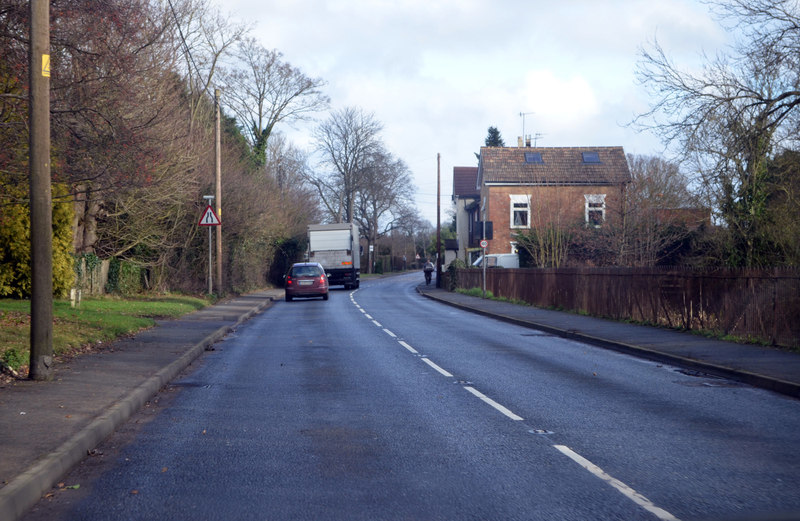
(484, 244)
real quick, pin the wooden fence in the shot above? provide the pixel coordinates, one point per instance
(760, 305)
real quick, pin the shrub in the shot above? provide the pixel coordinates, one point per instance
(15, 234)
(13, 359)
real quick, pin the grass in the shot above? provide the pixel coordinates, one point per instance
(478, 292)
(97, 319)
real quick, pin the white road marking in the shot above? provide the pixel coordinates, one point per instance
(389, 333)
(414, 351)
(437, 368)
(493, 403)
(617, 484)
(376, 323)
(368, 316)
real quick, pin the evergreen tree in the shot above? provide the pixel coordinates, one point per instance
(493, 139)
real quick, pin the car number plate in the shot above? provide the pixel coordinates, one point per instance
(306, 282)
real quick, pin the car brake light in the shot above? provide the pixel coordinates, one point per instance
(289, 280)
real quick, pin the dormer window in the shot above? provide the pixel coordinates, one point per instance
(533, 157)
(591, 157)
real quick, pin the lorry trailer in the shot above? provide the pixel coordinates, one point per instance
(336, 247)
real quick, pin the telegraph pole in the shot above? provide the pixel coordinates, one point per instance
(218, 168)
(41, 331)
(438, 221)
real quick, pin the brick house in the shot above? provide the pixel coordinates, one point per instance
(530, 187)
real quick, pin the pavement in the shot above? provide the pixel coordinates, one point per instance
(46, 428)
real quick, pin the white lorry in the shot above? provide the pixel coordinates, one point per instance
(337, 249)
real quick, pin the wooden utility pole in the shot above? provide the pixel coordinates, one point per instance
(41, 332)
(218, 169)
(438, 221)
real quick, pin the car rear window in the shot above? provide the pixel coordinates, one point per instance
(306, 271)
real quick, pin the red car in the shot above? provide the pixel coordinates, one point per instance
(306, 279)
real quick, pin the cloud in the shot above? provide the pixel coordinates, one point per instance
(438, 73)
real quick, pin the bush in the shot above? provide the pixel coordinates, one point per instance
(123, 277)
(15, 240)
(13, 359)
(452, 273)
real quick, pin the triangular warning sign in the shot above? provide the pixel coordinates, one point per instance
(209, 218)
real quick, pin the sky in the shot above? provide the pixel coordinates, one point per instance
(438, 73)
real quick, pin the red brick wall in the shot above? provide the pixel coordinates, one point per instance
(560, 205)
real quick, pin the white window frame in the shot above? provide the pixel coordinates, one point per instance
(594, 203)
(519, 203)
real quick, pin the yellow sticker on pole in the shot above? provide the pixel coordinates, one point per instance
(46, 65)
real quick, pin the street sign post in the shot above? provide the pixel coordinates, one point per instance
(209, 219)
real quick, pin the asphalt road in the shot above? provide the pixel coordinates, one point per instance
(380, 404)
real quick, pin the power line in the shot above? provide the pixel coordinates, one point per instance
(183, 40)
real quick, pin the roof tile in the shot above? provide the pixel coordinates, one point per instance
(465, 181)
(560, 166)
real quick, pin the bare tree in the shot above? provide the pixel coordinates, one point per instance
(262, 91)
(201, 37)
(385, 197)
(347, 141)
(286, 163)
(659, 212)
(729, 119)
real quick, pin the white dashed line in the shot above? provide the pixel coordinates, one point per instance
(617, 484)
(580, 460)
(437, 368)
(413, 351)
(493, 403)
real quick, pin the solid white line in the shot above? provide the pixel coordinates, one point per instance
(493, 403)
(377, 323)
(414, 351)
(617, 484)
(389, 333)
(439, 369)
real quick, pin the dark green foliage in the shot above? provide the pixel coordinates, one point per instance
(13, 359)
(493, 139)
(124, 278)
(287, 252)
(112, 284)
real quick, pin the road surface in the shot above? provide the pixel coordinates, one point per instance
(380, 404)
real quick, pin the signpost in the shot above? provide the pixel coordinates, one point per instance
(484, 245)
(209, 219)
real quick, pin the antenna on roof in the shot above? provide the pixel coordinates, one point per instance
(536, 136)
(522, 115)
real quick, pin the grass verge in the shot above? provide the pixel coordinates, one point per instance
(96, 320)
